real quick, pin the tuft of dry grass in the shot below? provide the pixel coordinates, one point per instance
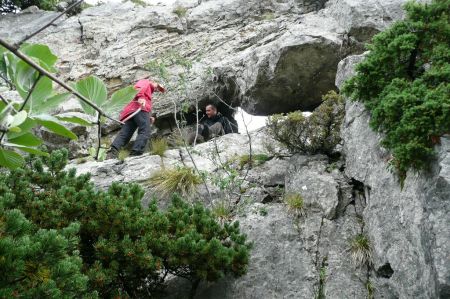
(361, 250)
(159, 147)
(181, 180)
(295, 204)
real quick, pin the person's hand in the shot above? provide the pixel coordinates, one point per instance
(152, 120)
(141, 101)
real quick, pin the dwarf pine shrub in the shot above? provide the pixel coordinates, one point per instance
(67, 237)
(405, 84)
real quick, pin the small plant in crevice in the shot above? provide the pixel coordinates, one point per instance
(222, 211)
(180, 11)
(122, 155)
(320, 291)
(139, 2)
(263, 211)
(180, 180)
(254, 160)
(361, 250)
(295, 203)
(370, 289)
(159, 146)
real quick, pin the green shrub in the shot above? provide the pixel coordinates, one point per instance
(405, 84)
(318, 133)
(361, 250)
(38, 263)
(8, 5)
(126, 251)
(180, 180)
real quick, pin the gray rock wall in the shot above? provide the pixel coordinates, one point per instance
(408, 227)
(268, 56)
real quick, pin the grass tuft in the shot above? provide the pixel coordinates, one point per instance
(180, 11)
(181, 180)
(361, 251)
(123, 154)
(159, 147)
(294, 202)
(256, 160)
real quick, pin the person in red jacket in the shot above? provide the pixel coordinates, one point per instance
(136, 115)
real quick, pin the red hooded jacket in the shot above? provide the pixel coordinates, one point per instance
(145, 92)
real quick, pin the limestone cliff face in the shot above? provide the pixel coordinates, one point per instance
(268, 56)
(253, 48)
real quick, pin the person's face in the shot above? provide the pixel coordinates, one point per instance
(210, 111)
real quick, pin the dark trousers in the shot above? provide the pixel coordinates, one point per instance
(140, 121)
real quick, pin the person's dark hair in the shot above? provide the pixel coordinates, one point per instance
(212, 105)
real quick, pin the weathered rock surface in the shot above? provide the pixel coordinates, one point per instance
(268, 56)
(408, 227)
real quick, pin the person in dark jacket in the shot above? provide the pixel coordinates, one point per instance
(211, 125)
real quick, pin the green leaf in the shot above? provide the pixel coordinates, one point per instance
(42, 53)
(50, 103)
(75, 120)
(15, 130)
(25, 127)
(5, 111)
(10, 159)
(27, 139)
(53, 125)
(94, 90)
(19, 118)
(27, 149)
(119, 99)
(24, 78)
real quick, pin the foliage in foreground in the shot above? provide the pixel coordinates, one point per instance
(39, 98)
(405, 83)
(125, 250)
(11, 5)
(318, 133)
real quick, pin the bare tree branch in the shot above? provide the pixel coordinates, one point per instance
(27, 37)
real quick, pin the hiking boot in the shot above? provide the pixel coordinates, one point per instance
(135, 154)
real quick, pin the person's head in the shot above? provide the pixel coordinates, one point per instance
(157, 86)
(211, 110)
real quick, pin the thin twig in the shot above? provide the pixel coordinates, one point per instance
(189, 152)
(99, 136)
(41, 70)
(7, 81)
(27, 37)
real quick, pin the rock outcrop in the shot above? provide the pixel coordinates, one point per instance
(408, 227)
(267, 56)
(273, 56)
